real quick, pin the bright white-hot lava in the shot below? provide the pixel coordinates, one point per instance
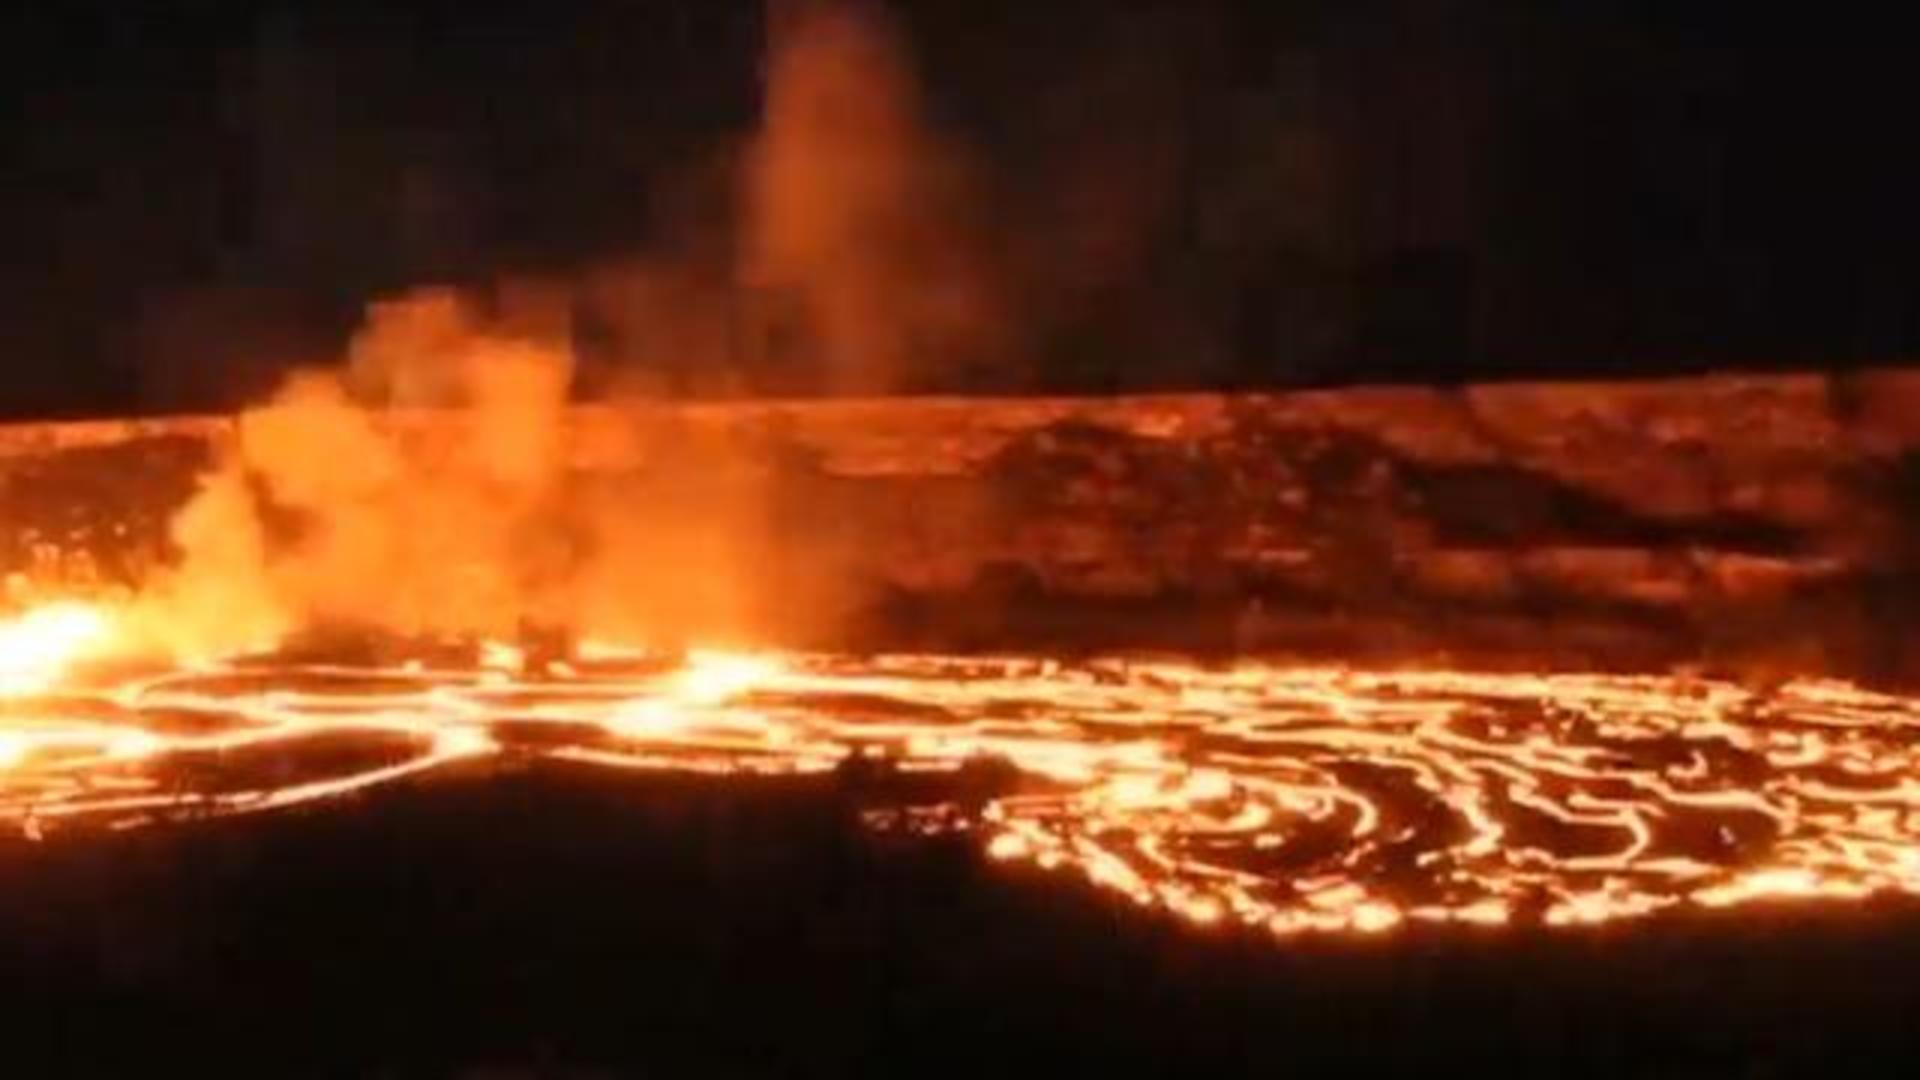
(1294, 799)
(37, 648)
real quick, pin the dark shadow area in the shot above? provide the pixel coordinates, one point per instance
(1174, 195)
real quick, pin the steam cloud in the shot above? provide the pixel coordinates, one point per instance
(851, 256)
(854, 269)
(857, 214)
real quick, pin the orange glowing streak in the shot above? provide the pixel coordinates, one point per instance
(1291, 799)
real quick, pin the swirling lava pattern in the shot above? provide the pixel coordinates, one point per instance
(1286, 798)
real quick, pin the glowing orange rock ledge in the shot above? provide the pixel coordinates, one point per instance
(1384, 528)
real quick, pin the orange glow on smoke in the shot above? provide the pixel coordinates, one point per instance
(1290, 799)
(37, 648)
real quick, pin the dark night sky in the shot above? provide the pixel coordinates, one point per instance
(199, 193)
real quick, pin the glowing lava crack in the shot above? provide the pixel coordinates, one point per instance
(1290, 798)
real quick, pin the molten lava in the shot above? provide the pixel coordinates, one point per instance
(1295, 799)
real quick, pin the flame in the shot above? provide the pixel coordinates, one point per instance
(713, 677)
(38, 648)
(1293, 800)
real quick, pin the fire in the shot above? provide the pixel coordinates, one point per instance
(37, 648)
(1284, 798)
(713, 677)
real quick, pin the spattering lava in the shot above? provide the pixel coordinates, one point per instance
(1295, 799)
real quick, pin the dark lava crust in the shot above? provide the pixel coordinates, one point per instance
(552, 921)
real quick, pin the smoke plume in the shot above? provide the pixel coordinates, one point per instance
(422, 487)
(857, 213)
